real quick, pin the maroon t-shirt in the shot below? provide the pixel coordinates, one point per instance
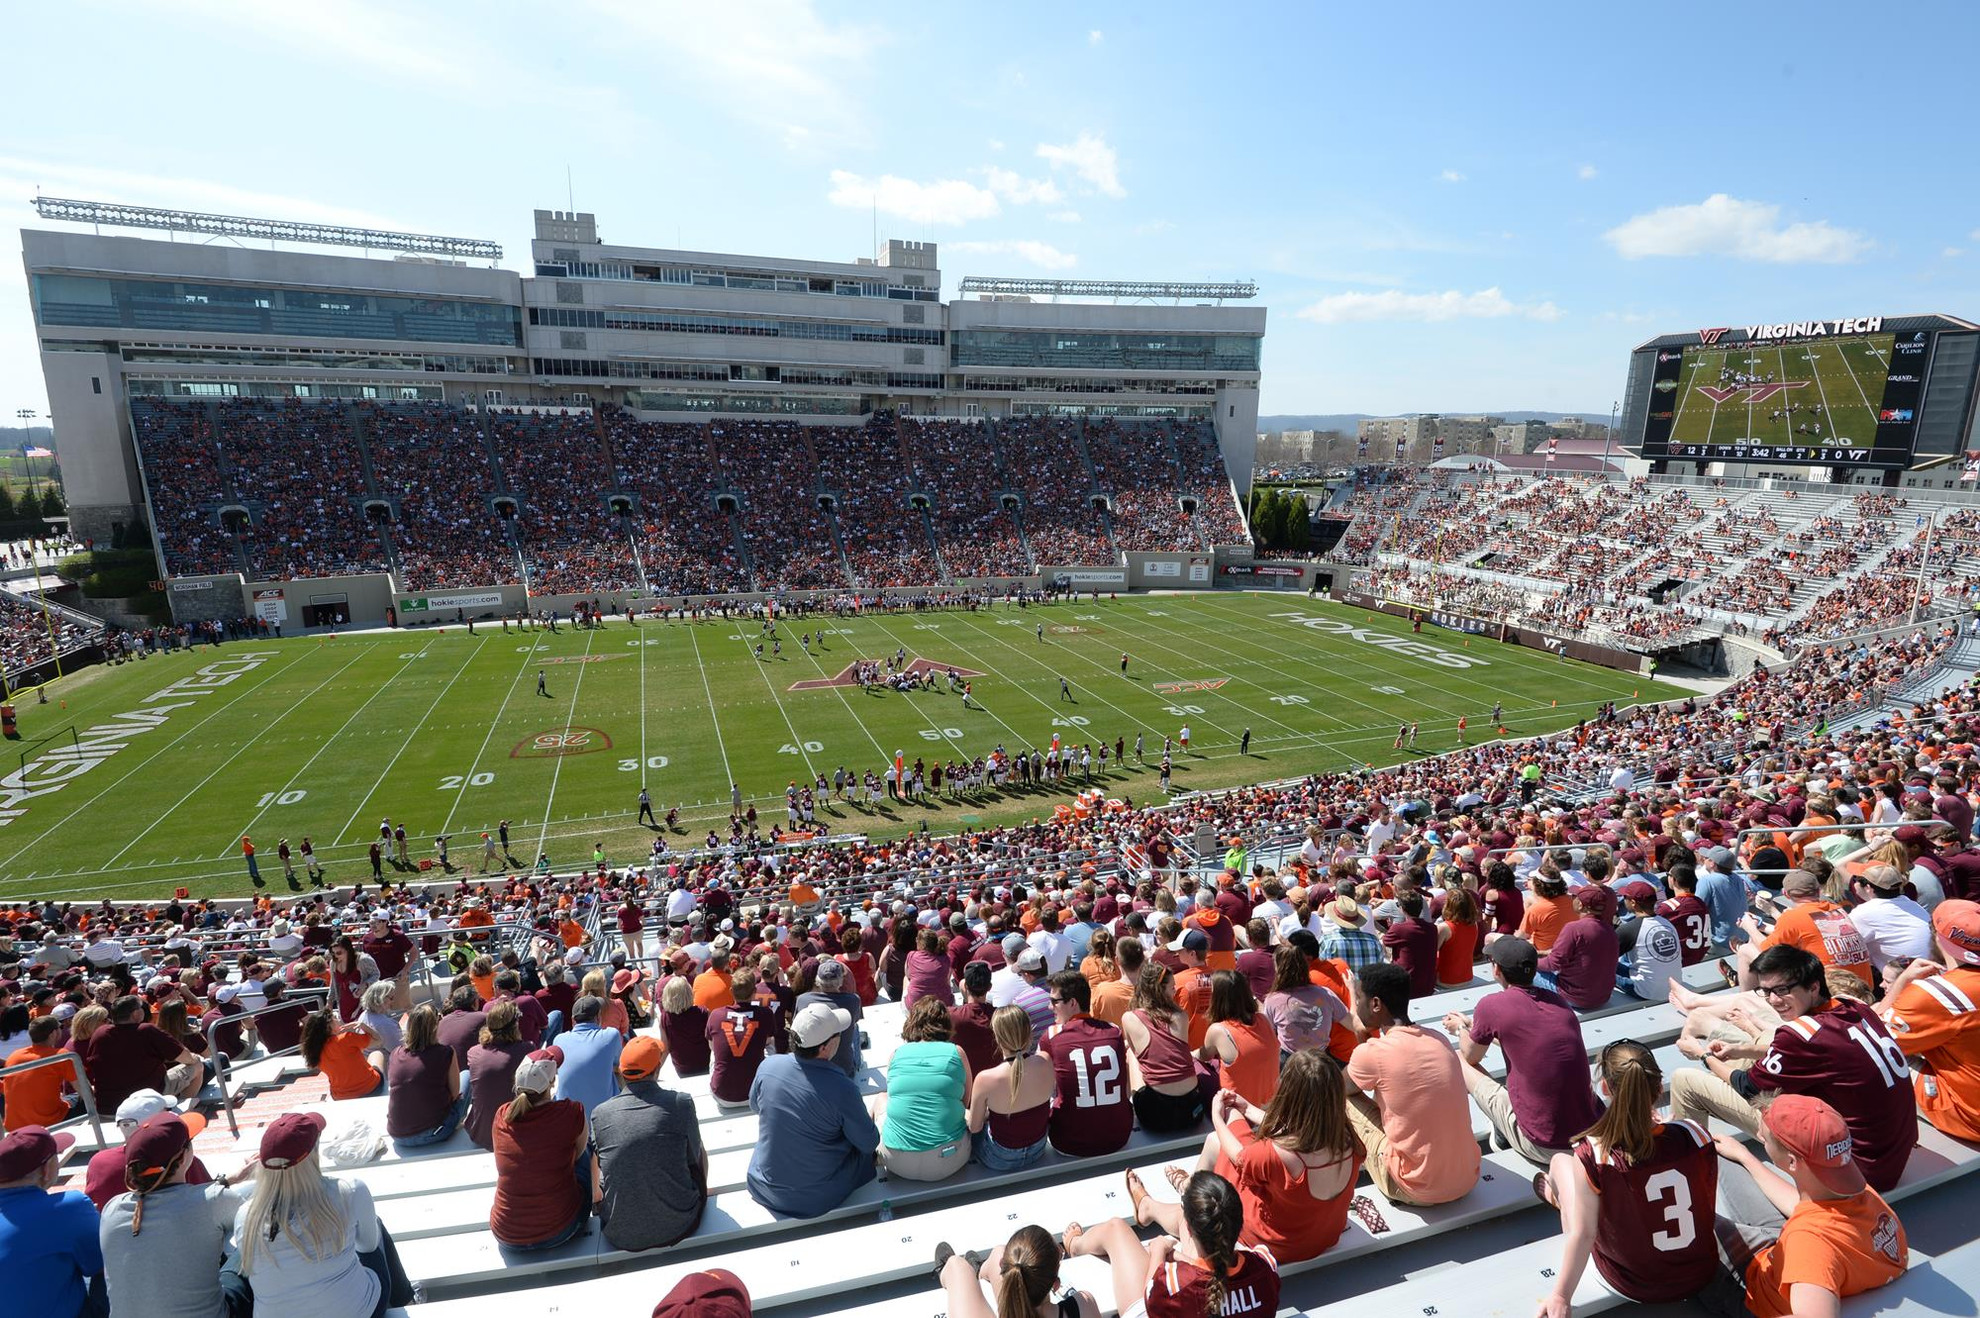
(1412, 944)
(123, 1059)
(390, 952)
(536, 1196)
(737, 1038)
(1092, 1114)
(461, 1030)
(1255, 964)
(970, 1025)
(1653, 1234)
(1546, 1062)
(1844, 1056)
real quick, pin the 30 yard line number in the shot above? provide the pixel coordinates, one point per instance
(652, 762)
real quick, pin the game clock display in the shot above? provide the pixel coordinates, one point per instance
(1825, 400)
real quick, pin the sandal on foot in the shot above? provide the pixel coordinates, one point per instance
(1137, 1195)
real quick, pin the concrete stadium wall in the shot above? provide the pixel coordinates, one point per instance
(207, 599)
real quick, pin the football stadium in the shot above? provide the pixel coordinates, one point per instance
(695, 783)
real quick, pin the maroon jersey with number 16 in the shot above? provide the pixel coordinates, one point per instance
(1092, 1114)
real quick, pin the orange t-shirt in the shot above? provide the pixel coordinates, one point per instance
(484, 985)
(1332, 973)
(1842, 1245)
(344, 1065)
(1824, 929)
(1545, 918)
(803, 894)
(34, 1098)
(712, 989)
(571, 932)
(1110, 1001)
(1193, 996)
(1938, 1019)
(1255, 1073)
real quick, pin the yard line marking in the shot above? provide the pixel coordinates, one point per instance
(956, 742)
(410, 737)
(557, 770)
(713, 717)
(642, 702)
(474, 766)
(763, 672)
(188, 731)
(227, 762)
(1245, 710)
(348, 723)
(841, 693)
(1867, 404)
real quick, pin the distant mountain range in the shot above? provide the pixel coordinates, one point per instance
(1346, 421)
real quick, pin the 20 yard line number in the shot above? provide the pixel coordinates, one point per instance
(453, 782)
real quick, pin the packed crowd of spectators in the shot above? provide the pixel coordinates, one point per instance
(685, 544)
(1271, 1009)
(956, 466)
(296, 466)
(186, 484)
(1136, 468)
(770, 466)
(433, 459)
(1205, 480)
(870, 481)
(25, 635)
(556, 465)
(1042, 457)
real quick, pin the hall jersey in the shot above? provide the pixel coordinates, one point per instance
(1092, 1114)
(1654, 1240)
(1182, 1290)
(1843, 1055)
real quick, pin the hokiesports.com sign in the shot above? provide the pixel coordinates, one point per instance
(482, 599)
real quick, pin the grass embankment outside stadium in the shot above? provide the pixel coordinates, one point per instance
(446, 732)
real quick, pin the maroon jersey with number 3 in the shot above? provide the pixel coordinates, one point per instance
(1092, 1114)
(1654, 1240)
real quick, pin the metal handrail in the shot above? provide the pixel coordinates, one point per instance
(222, 1064)
(74, 1061)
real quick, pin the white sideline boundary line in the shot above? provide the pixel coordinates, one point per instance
(229, 761)
(474, 765)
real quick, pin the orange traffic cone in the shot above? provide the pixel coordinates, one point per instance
(1555, 704)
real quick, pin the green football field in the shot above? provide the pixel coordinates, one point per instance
(142, 778)
(1844, 378)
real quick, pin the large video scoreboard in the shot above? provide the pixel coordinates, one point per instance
(1872, 391)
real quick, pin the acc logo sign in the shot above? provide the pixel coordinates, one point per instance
(1711, 336)
(561, 741)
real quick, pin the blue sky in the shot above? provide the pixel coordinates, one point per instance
(1476, 206)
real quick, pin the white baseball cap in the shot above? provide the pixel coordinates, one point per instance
(819, 1022)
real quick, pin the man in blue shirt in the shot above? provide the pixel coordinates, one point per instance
(49, 1252)
(589, 1071)
(815, 1140)
(1724, 893)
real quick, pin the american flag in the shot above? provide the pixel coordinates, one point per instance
(39, 452)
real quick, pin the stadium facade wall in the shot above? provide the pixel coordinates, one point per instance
(1622, 660)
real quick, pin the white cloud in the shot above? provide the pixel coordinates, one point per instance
(1451, 176)
(1019, 190)
(1043, 255)
(1586, 172)
(1095, 37)
(1952, 252)
(777, 64)
(996, 144)
(388, 41)
(1063, 217)
(1154, 226)
(1744, 230)
(1486, 304)
(944, 201)
(1090, 158)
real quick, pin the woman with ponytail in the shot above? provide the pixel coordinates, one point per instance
(1635, 1191)
(1023, 1273)
(1200, 1269)
(1013, 1099)
(163, 1228)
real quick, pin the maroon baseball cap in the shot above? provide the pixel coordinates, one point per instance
(717, 1293)
(1637, 890)
(1593, 897)
(24, 1151)
(153, 1145)
(290, 1138)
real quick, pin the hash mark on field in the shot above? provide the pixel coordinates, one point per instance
(403, 746)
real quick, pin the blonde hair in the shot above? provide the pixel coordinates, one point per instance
(296, 1200)
(87, 1022)
(677, 995)
(595, 985)
(378, 996)
(1011, 1028)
